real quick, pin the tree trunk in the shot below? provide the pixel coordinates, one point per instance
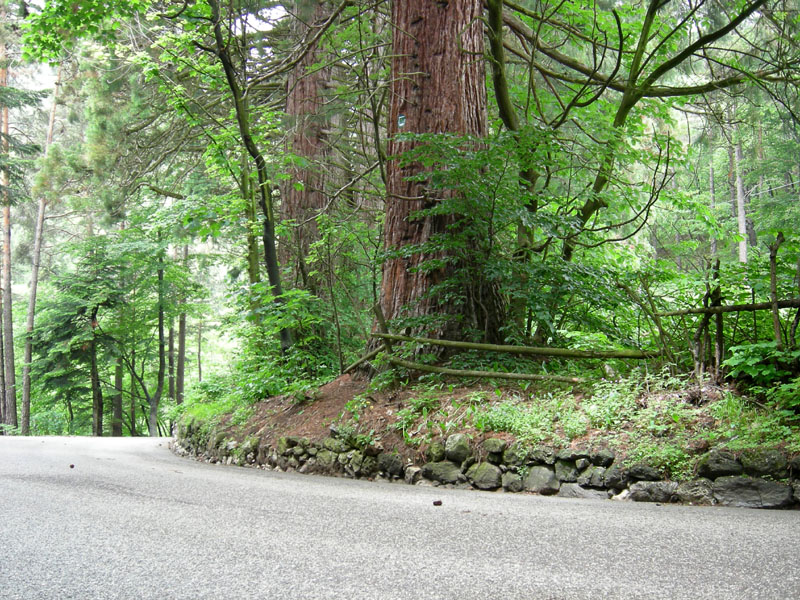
(253, 271)
(7, 417)
(155, 399)
(741, 218)
(303, 194)
(116, 403)
(97, 392)
(438, 86)
(181, 370)
(199, 349)
(264, 186)
(37, 253)
(712, 187)
(8, 319)
(171, 363)
(133, 393)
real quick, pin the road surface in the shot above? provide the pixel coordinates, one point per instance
(131, 520)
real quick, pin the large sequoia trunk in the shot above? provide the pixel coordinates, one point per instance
(305, 101)
(438, 86)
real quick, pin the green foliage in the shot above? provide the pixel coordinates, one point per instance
(761, 363)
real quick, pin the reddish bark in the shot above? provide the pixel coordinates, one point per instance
(305, 102)
(438, 86)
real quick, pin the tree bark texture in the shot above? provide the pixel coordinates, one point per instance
(741, 217)
(9, 416)
(152, 422)
(8, 317)
(181, 366)
(305, 106)
(438, 86)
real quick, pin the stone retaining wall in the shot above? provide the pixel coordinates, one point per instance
(753, 480)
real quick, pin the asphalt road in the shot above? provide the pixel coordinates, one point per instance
(131, 520)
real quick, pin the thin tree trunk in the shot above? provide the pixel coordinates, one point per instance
(155, 399)
(199, 351)
(181, 370)
(264, 188)
(37, 253)
(97, 392)
(133, 393)
(10, 394)
(712, 187)
(171, 363)
(116, 403)
(741, 217)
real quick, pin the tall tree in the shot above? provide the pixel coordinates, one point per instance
(432, 41)
(36, 258)
(303, 195)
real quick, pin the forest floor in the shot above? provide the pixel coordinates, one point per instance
(666, 422)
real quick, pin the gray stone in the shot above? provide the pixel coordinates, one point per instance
(770, 463)
(435, 452)
(356, 461)
(494, 445)
(566, 472)
(602, 458)
(617, 477)
(794, 465)
(653, 491)
(573, 490)
(442, 471)
(796, 490)
(541, 480)
(698, 491)
(571, 454)
(390, 463)
(468, 463)
(594, 477)
(335, 445)
(412, 475)
(719, 463)
(542, 455)
(515, 455)
(582, 463)
(298, 451)
(284, 444)
(457, 448)
(512, 482)
(751, 493)
(369, 466)
(496, 458)
(644, 472)
(326, 459)
(484, 476)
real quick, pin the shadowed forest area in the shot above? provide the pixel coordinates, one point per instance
(559, 205)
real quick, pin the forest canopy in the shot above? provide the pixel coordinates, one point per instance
(232, 200)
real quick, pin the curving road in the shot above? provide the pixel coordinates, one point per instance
(131, 520)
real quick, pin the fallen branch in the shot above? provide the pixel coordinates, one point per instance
(490, 374)
(365, 358)
(713, 310)
(562, 352)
